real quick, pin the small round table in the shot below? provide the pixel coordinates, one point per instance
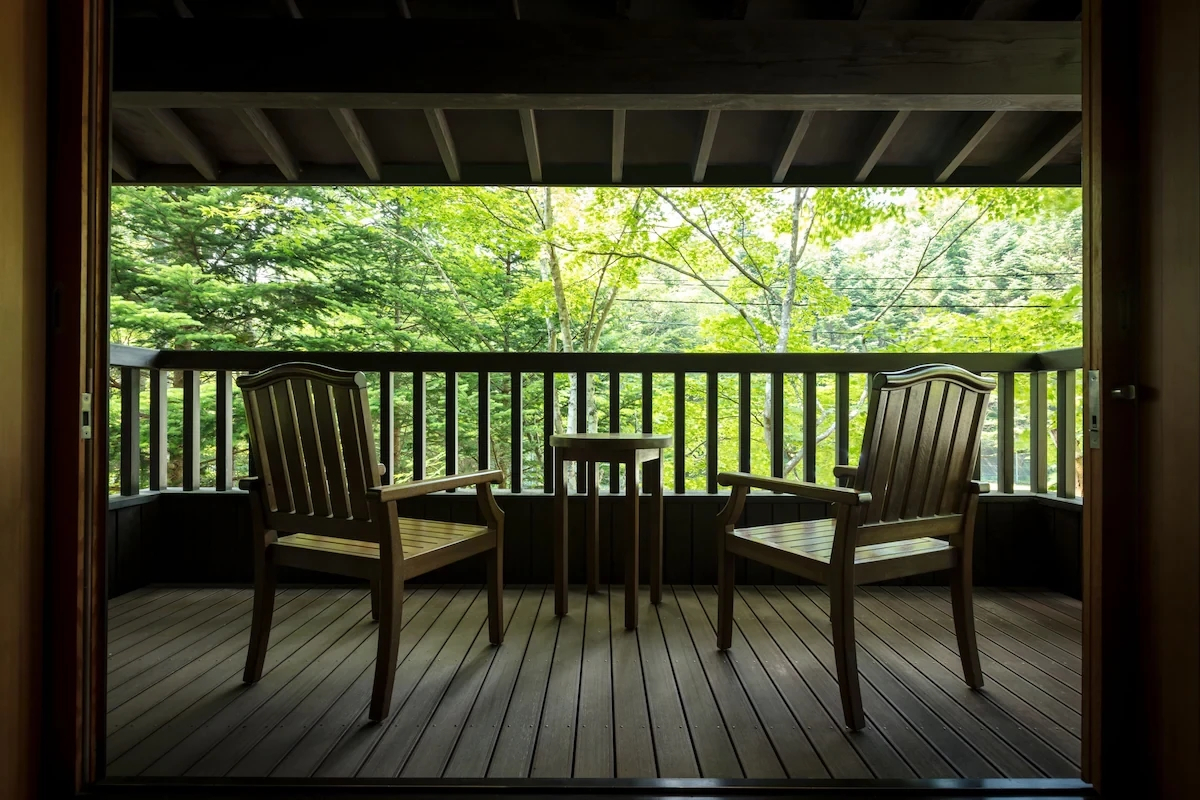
(589, 450)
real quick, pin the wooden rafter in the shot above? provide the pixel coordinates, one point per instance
(965, 141)
(181, 8)
(356, 136)
(268, 138)
(618, 145)
(440, 129)
(796, 130)
(704, 149)
(185, 142)
(889, 126)
(122, 161)
(532, 151)
(1049, 143)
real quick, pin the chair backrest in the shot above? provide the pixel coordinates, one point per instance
(921, 441)
(313, 443)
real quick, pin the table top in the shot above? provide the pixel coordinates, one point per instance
(612, 442)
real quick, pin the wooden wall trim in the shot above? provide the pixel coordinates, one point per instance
(22, 342)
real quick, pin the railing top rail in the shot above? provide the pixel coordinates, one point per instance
(254, 360)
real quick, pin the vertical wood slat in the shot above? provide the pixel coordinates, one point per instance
(484, 459)
(516, 432)
(158, 430)
(354, 451)
(387, 426)
(1006, 432)
(224, 465)
(335, 474)
(549, 412)
(418, 435)
(744, 421)
(777, 412)
(131, 431)
(711, 432)
(810, 426)
(311, 447)
(1037, 432)
(581, 421)
(289, 446)
(191, 430)
(943, 445)
(842, 417)
(614, 426)
(680, 429)
(451, 423)
(647, 402)
(1065, 419)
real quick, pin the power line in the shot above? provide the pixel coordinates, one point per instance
(805, 305)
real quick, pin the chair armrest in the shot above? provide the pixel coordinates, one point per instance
(402, 491)
(811, 491)
(845, 471)
(246, 484)
(978, 487)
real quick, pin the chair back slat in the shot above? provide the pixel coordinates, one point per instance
(310, 430)
(921, 439)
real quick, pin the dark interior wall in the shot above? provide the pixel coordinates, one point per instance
(204, 537)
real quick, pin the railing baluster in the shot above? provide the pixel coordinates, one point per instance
(647, 402)
(810, 426)
(224, 466)
(451, 423)
(842, 423)
(549, 412)
(158, 430)
(484, 459)
(777, 412)
(131, 431)
(387, 426)
(581, 424)
(1005, 432)
(614, 425)
(711, 433)
(1065, 419)
(680, 429)
(744, 421)
(191, 430)
(517, 432)
(1037, 432)
(418, 435)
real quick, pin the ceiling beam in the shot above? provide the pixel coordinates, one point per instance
(532, 152)
(181, 8)
(630, 64)
(122, 162)
(886, 131)
(1049, 143)
(445, 142)
(618, 145)
(965, 141)
(269, 140)
(356, 136)
(796, 130)
(700, 164)
(185, 142)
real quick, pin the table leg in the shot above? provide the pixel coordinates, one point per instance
(631, 544)
(656, 528)
(592, 525)
(560, 535)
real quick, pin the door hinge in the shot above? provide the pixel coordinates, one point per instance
(85, 415)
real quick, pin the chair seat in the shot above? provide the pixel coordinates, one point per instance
(421, 539)
(813, 539)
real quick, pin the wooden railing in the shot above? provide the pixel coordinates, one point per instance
(803, 373)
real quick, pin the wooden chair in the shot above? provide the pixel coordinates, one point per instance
(317, 505)
(909, 509)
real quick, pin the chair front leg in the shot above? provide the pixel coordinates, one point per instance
(391, 614)
(726, 564)
(845, 652)
(264, 608)
(375, 599)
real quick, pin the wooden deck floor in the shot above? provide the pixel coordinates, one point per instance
(582, 697)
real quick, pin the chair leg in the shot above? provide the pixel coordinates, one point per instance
(725, 575)
(375, 599)
(841, 612)
(964, 624)
(264, 608)
(495, 570)
(391, 612)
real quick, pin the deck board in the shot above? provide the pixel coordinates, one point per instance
(583, 697)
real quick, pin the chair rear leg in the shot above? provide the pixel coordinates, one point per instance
(964, 624)
(264, 608)
(495, 570)
(841, 612)
(391, 613)
(725, 577)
